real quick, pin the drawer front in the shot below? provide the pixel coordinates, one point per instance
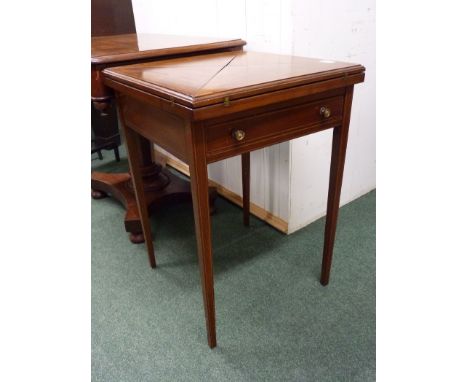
(246, 134)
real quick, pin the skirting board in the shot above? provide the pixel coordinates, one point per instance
(258, 211)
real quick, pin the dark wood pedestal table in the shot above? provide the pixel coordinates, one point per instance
(160, 186)
(236, 103)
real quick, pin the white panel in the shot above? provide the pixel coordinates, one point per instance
(231, 18)
(284, 181)
(310, 157)
(217, 172)
(176, 17)
(268, 29)
(234, 175)
(340, 30)
(271, 178)
(262, 25)
(257, 178)
(286, 36)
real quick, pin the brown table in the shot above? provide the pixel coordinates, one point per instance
(160, 185)
(207, 108)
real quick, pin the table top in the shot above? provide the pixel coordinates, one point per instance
(125, 47)
(207, 79)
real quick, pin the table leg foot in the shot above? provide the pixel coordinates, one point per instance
(137, 238)
(96, 194)
(324, 281)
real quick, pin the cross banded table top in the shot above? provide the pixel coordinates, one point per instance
(208, 79)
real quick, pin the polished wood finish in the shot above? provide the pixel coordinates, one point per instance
(195, 144)
(112, 17)
(209, 79)
(158, 126)
(109, 51)
(132, 140)
(133, 46)
(105, 130)
(246, 187)
(108, 17)
(263, 128)
(122, 49)
(263, 100)
(340, 141)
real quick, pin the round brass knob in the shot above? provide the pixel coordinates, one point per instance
(238, 135)
(325, 112)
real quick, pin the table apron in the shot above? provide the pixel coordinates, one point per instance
(272, 127)
(156, 125)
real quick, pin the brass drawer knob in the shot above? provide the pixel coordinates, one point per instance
(325, 112)
(238, 135)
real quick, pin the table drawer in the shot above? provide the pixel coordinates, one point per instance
(251, 133)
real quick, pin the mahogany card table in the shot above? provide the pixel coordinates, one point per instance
(123, 49)
(211, 107)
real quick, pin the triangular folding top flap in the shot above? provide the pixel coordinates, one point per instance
(207, 79)
(182, 75)
(254, 68)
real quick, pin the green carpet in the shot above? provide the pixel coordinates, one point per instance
(275, 322)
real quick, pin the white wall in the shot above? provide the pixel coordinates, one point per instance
(341, 30)
(289, 180)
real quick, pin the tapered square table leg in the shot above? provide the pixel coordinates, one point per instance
(195, 142)
(133, 140)
(246, 187)
(340, 140)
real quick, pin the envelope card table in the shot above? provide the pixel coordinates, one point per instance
(207, 108)
(160, 185)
